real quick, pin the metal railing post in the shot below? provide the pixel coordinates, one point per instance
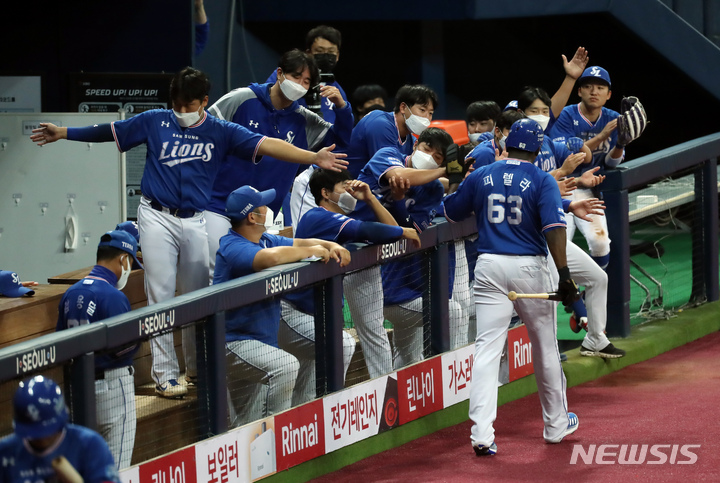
(212, 375)
(80, 390)
(329, 323)
(618, 270)
(436, 298)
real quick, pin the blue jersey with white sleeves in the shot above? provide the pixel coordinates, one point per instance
(83, 448)
(252, 108)
(571, 123)
(92, 299)
(375, 131)
(514, 203)
(258, 321)
(181, 163)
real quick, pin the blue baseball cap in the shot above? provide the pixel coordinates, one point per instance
(596, 73)
(121, 240)
(10, 285)
(245, 199)
(512, 106)
(130, 227)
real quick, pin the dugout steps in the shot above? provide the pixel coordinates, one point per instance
(645, 342)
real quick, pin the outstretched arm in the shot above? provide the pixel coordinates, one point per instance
(573, 70)
(325, 158)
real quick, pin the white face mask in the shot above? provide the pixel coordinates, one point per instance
(125, 274)
(345, 201)
(501, 142)
(474, 136)
(292, 90)
(540, 119)
(422, 160)
(187, 119)
(416, 124)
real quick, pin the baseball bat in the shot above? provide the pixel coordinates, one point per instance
(547, 296)
(65, 471)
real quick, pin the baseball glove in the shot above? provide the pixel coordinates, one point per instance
(455, 166)
(632, 121)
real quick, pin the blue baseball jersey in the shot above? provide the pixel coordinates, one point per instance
(484, 153)
(92, 299)
(572, 123)
(514, 204)
(415, 210)
(84, 449)
(258, 321)
(375, 131)
(181, 163)
(402, 279)
(327, 107)
(252, 108)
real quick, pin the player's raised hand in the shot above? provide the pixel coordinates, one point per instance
(340, 254)
(359, 190)
(584, 208)
(398, 187)
(48, 133)
(499, 155)
(566, 185)
(333, 93)
(325, 158)
(575, 66)
(412, 235)
(589, 180)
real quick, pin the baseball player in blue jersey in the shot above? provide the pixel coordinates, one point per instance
(186, 147)
(597, 126)
(251, 337)
(271, 110)
(333, 220)
(98, 297)
(323, 44)
(43, 437)
(519, 217)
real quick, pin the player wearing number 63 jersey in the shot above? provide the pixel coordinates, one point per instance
(519, 216)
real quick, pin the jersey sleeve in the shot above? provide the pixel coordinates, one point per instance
(550, 205)
(341, 130)
(226, 107)
(426, 200)
(132, 132)
(561, 152)
(459, 205)
(563, 127)
(100, 468)
(244, 143)
(381, 164)
(483, 155)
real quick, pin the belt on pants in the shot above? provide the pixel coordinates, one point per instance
(114, 373)
(177, 212)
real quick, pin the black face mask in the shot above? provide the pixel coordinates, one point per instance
(325, 62)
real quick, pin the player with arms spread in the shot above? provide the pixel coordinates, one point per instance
(519, 217)
(43, 437)
(186, 147)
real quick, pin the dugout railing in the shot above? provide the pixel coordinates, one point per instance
(205, 309)
(699, 156)
(74, 349)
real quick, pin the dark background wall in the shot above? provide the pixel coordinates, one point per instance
(464, 60)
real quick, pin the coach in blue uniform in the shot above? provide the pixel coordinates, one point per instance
(251, 336)
(42, 433)
(595, 124)
(519, 216)
(98, 297)
(185, 148)
(273, 110)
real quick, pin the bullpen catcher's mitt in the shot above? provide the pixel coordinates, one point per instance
(632, 121)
